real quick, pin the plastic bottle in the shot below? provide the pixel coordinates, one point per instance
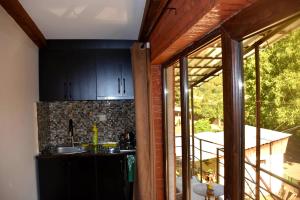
(95, 135)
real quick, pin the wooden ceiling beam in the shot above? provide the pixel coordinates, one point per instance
(205, 57)
(189, 21)
(177, 31)
(260, 15)
(212, 73)
(201, 67)
(19, 14)
(152, 14)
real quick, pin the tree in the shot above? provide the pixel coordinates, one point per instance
(208, 104)
(280, 88)
(280, 84)
(208, 100)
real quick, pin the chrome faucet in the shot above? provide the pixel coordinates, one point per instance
(71, 131)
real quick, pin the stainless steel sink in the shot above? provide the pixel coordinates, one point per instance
(127, 150)
(70, 150)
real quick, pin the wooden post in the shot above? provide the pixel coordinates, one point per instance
(169, 132)
(217, 166)
(200, 157)
(193, 131)
(144, 187)
(185, 129)
(257, 71)
(232, 61)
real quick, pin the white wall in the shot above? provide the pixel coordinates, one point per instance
(18, 93)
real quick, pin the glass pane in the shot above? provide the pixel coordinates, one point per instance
(206, 111)
(280, 109)
(250, 123)
(205, 117)
(172, 97)
(277, 112)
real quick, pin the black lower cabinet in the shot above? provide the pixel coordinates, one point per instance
(53, 178)
(112, 178)
(82, 177)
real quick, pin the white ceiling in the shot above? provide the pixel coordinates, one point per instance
(87, 19)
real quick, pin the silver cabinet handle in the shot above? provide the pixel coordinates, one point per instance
(124, 90)
(119, 88)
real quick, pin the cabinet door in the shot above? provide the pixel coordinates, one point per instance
(83, 178)
(53, 176)
(127, 82)
(82, 80)
(108, 75)
(111, 177)
(53, 80)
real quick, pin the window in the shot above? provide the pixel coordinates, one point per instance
(272, 112)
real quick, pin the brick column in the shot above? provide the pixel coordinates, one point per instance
(157, 124)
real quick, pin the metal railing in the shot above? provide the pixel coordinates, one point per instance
(217, 156)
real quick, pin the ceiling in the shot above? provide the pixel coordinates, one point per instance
(87, 19)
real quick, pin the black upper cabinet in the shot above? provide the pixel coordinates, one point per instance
(114, 76)
(108, 75)
(127, 82)
(67, 75)
(53, 78)
(82, 78)
(77, 72)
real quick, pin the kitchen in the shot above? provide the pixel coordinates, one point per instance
(74, 72)
(81, 96)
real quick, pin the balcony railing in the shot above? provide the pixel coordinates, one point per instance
(215, 158)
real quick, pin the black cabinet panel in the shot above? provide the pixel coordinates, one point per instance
(53, 83)
(53, 178)
(85, 74)
(111, 176)
(89, 44)
(83, 178)
(114, 75)
(127, 89)
(108, 74)
(81, 71)
(67, 75)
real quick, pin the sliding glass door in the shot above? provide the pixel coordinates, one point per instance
(272, 112)
(194, 137)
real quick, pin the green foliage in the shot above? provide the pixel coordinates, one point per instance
(280, 89)
(208, 99)
(280, 84)
(202, 125)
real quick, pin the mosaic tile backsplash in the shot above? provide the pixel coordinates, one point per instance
(53, 121)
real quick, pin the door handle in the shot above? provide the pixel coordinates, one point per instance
(119, 87)
(124, 86)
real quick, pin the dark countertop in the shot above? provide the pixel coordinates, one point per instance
(89, 153)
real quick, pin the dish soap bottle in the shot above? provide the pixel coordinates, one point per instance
(95, 135)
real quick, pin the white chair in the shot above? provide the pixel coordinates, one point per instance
(218, 190)
(194, 195)
(200, 189)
